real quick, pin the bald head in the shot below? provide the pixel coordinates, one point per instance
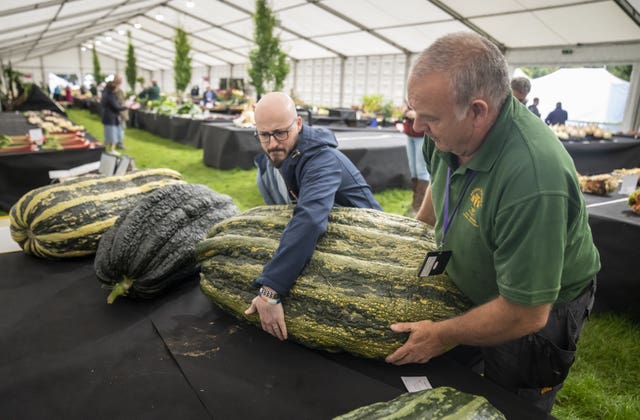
(275, 106)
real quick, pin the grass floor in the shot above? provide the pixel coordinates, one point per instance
(604, 381)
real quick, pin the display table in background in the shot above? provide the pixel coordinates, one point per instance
(66, 353)
(603, 156)
(616, 232)
(23, 171)
(380, 155)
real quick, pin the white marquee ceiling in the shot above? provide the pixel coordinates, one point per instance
(221, 31)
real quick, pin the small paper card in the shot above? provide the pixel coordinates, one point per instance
(35, 134)
(628, 184)
(416, 383)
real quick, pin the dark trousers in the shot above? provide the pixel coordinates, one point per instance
(535, 366)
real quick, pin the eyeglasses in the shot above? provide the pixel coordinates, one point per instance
(278, 135)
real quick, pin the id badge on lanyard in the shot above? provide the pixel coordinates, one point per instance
(435, 262)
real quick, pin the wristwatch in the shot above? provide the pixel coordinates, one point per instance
(269, 296)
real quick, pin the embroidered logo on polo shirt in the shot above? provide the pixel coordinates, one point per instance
(476, 202)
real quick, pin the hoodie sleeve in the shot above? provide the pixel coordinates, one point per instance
(319, 180)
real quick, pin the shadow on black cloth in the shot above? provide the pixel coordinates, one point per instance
(67, 354)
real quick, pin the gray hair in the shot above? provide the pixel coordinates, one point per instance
(476, 68)
(521, 84)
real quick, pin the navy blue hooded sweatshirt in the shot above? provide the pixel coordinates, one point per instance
(318, 176)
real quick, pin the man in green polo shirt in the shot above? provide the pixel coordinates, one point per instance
(509, 214)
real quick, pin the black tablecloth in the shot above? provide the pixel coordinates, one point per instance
(616, 230)
(67, 354)
(380, 155)
(603, 156)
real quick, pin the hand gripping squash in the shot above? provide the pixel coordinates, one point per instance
(153, 246)
(66, 220)
(361, 279)
(437, 403)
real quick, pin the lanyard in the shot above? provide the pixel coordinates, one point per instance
(448, 219)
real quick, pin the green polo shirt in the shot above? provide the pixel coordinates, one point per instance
(521, 230)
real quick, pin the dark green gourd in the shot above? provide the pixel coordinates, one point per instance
(152, 246)
(361, 279)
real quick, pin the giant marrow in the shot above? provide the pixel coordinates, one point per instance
(66, 220)
(153, 246)
(361, 279)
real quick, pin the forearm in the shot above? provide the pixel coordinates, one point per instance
(494, 322)
(426, 213)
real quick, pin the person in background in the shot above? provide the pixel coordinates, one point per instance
(56, 93)
(510, 217)
(111, 117)
(68, 96)
(153, 93)
(534, 107)
(195, 91)
(209, 96)
(300, 165)
(417, 165)
(124, 114)
(557, 116)
(93, 89)
(521, 86)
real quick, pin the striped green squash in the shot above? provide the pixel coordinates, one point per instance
(66, 220)
(361, 278)
(437, 403)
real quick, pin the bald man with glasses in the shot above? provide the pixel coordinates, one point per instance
(300, 165)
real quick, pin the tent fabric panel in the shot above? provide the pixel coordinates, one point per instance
(491, 7)
(531, 30)
(141, 5)
(312, 21)
(213, 11)
(176, 19)
(383, 13)
(156, 28)
(78, 7)
(36, 15)
(15, 4)
(417, 38)
(207, 59)
(18, 36)
(357, 43)
(78, 21)
(222, 37)
(591, 23)
(302, 49)
(242, 27)
(229, 56)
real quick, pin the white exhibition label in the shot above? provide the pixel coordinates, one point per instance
(416, 383)
(629, 183)
(35, 134)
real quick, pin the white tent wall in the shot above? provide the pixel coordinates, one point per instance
(589, 95)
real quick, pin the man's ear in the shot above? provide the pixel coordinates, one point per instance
(480, 112)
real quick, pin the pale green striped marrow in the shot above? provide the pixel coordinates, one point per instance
(361, 279)
(66, 220)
